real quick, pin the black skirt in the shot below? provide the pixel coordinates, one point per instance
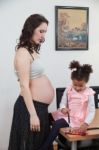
(21, 137)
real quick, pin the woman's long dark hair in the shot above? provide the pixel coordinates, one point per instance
(30, 25)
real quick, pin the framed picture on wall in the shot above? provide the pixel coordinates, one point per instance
(71, 28)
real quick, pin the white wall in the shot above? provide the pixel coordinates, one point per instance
(12, 16)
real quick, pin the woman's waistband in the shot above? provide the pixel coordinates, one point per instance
(21, 98)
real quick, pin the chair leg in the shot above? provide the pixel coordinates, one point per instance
(74, 145)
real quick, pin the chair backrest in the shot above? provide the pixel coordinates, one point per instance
(59, 93)
(96, 96)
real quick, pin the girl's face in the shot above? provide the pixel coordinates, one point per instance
(39, 33)
(79, 85)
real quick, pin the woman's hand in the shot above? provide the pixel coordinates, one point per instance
(65, 111)
(34, 123)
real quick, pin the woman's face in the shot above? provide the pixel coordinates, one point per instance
(39, 33)
(79, 85)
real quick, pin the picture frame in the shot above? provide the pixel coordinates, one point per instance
(71, 28)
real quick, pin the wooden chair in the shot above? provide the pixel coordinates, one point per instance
(94, 126)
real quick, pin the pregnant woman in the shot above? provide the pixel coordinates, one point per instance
(30, 124)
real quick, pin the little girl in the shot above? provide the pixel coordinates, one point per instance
(77, 108)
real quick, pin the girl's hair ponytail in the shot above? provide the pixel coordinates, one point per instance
(80, 72)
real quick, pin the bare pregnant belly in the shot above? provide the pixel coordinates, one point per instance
(42, 89)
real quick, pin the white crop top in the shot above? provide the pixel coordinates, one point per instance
(36, 69)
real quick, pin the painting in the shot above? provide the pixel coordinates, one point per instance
(71, 28)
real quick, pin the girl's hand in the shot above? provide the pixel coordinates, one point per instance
(65, 110)
(34, 123)
(83, 127)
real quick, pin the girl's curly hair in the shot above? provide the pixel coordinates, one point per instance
(80, 72)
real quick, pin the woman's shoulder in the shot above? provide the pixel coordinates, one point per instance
(22, 50)
(22, 53)
(22, 56)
